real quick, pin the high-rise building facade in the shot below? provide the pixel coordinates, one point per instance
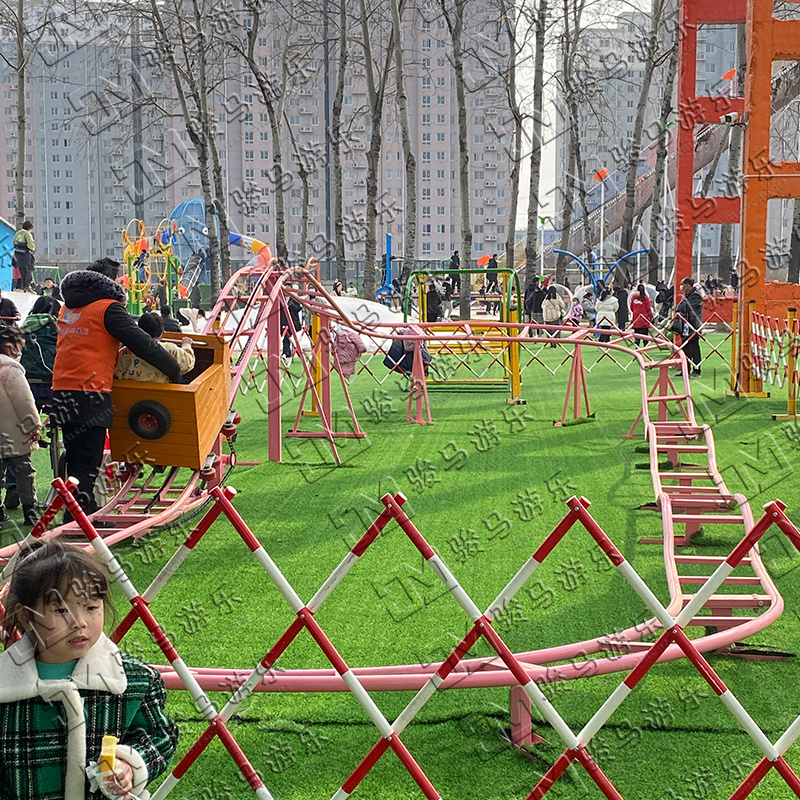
(89, 94)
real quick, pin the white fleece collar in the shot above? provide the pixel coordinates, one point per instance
(99, 670)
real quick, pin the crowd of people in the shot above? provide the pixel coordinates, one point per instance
(625, 307)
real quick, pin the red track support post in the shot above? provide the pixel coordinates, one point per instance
(576, 386)
(418, 389)
(318, 383)
(273, 342)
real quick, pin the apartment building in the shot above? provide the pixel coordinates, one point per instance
(100, 147)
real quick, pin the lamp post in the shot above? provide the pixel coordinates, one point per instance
(542, 221)
(601, 176)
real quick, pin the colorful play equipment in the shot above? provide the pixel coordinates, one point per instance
(503, 353)
(149, 261)
(595, 272)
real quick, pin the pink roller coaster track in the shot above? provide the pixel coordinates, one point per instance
(688, 493)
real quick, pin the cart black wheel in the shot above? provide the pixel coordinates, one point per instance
(149, 419)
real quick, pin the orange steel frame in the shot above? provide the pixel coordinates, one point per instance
(768, 40)
(696, 111)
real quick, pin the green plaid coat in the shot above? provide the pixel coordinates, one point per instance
(49, 730)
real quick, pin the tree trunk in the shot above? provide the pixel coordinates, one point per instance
(281, 248)
(195, 113)
(626, 232)
(566, 217)
(375, 92)
(22, 117)
(410, 199)
(515, 151)
(656, 224)
(453, 13)
(336, 145)
(532, 243)
(273, 93)
(209, 130)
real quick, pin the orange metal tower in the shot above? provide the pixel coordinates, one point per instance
(695, 111)
(768, 40)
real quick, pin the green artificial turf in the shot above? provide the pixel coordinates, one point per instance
(486, 483)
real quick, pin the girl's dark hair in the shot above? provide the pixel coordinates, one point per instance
(151, 323)
(604, 294)
(47, 569)
(641, 290)
(46, 304)
(11, 334)
(552, 293)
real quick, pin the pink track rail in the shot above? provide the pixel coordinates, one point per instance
(686, 494)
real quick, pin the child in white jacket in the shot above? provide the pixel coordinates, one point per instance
(19, 421)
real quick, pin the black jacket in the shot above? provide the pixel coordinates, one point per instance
(9, 311)
(691, 308)
(94, 408)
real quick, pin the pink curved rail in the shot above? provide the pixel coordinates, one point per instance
(245, 333)
(541, 664)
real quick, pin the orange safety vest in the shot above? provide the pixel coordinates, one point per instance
(86, 353)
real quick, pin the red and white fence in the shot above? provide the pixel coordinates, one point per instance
(672, 637)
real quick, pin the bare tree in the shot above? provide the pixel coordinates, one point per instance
(516, 42)
(335, 134)
(651, 56)
(665, 112)
(570, 78)
(27, 24)
(531, 245)
(273, 88)
(454, 12)
(410, 199)
(376, 77)
(183, 43)
(305, 167)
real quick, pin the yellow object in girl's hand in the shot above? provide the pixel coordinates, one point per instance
(108, 754)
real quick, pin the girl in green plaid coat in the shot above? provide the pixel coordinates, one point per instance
(64, 685)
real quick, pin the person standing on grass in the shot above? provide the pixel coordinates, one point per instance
(553, 309)
(606, 309)
(91, 326)
(690, 310)
(24, 248)
(589, 310)
(455, 263)
(491, 275)
(621, 293)
(642, 313)
(19, 423)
